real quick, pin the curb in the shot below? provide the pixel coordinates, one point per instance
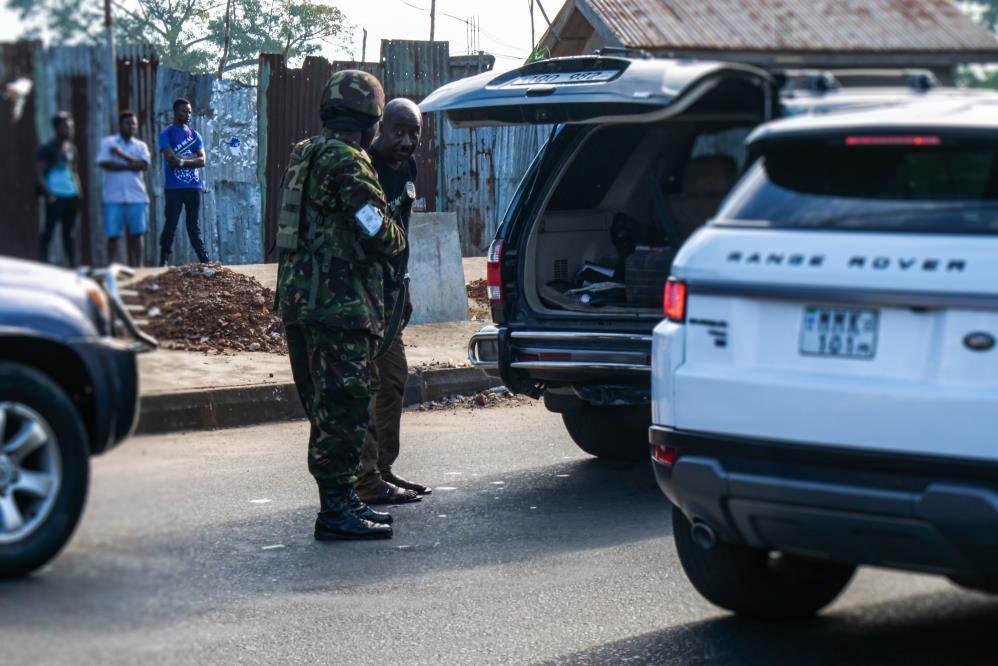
(235, 406)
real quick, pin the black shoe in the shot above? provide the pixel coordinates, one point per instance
(365, 512)
(337, 522)
(391, 478)
(164, 259)
(386, 493)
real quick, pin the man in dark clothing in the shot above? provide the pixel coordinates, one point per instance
(59, 183)
(183, 157)
(392, 156)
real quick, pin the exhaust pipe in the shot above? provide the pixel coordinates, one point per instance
(703, 535)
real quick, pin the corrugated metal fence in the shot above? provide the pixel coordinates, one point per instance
(289, 112)
(482, 167)
(225, 115)
(414, 70)
(18, 114)
(470, 172)
(248, 133)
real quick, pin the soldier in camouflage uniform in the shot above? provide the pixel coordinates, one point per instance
(330, 293)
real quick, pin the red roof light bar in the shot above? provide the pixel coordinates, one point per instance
(915, 140)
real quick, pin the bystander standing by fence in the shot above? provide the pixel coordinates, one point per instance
(59, 183)
(125, 159)
(183, 157)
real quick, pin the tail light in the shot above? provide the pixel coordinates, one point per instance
(666, 455)
(674, 302)
(494, 272)
(893, 140)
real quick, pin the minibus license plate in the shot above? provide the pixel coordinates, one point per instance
(839, 332)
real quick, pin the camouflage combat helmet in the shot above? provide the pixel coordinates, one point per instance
(353, 90)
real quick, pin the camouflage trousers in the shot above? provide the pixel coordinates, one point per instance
(332, 372)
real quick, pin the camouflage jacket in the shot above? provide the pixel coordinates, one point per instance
(335, 276)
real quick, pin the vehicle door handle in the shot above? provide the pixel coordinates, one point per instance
(540, 91)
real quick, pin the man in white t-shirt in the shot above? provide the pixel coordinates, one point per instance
(125, 160)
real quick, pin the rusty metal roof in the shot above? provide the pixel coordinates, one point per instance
(791, 25)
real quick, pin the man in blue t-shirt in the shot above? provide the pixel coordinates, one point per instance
(183, 156)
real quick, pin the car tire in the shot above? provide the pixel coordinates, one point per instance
(610, 433)
(751, 582)
(42, 436)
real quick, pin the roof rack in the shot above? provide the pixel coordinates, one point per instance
(822, 81)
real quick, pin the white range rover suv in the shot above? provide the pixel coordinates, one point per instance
(825, 385)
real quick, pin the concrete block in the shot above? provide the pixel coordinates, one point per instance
(455, 381)
(437, 287)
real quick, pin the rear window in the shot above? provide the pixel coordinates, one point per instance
(933, 188)
(592, 172)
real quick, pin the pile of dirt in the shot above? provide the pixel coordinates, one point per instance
(478, 299)
(205, 307)
(494, 397)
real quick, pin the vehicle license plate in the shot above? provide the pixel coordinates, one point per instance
(556, 78)
(839, 332)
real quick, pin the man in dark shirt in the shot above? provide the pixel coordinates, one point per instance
(392, 156)
(59, 183)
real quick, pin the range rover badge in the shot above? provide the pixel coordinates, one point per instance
(979, 341)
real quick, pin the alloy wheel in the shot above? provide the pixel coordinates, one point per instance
(30, 471)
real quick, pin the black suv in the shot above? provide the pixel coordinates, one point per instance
(68, 390)
(640, 155)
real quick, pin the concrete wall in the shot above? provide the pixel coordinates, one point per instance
(437, 287)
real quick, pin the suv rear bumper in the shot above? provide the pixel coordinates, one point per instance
(560, 358)
(932, 514)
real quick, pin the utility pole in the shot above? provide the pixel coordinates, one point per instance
(226, 39)
(112, 68)
(533, 38)
(547, 20)
(433, 18)
(363, 47)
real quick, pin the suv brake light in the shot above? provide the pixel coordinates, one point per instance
(674, 302)
(494, 273)
(893, 140)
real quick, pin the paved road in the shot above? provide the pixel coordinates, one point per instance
(196, 549)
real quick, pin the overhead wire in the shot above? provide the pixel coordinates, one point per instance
(468, 23)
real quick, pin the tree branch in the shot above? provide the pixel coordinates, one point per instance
(241, 63)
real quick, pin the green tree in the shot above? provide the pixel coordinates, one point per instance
(70, 21)
(191, 34)
(986, 13)
(294, 29)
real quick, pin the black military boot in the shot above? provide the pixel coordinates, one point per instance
(362, 510)
(337, 521)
